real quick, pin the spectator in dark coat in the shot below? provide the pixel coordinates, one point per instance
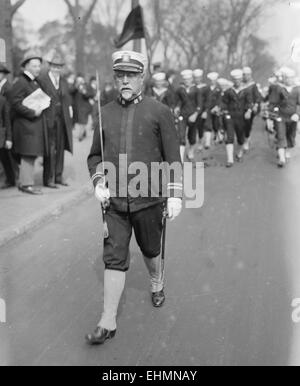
(4, 83)
(9, 164)
(6, 142)
(59, 121)
(29, 130)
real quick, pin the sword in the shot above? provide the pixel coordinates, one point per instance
(106, 204)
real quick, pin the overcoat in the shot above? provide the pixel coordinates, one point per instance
(29, 131)
(5, 126)
(62, 97)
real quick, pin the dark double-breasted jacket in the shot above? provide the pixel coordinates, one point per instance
(144, 131)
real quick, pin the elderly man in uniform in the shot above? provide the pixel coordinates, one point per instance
(143, 130)
(29, 131)
(236, 104)
(59, 121)
(256, 103)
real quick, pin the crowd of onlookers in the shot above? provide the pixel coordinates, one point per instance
(28, 133)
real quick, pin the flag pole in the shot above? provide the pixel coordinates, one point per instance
(137, 43)
(147, 41)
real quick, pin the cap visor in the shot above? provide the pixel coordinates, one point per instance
(127, 68)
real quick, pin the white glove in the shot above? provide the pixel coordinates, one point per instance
(270, 126)
(295, 118)
(216, 110)
(204, 115)
(174, 208)
(102, 194)
(248, 115)
(255, 108)
(8, 145)
(193, 117)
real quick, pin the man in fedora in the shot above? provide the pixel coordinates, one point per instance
(58, 120)
(29, 136)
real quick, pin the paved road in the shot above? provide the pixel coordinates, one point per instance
(232, 272)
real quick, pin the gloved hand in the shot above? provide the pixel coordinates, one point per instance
(8, 145)
(270, 126)
(255, 108)
(102, 194)
(193, 117)
(204, 115)
(174, 208)
(248, 115)
(216, 110)
(295, 118)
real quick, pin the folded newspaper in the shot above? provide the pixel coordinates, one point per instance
(37, 101)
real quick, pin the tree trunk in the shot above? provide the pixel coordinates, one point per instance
(6, 32)
(80, 51)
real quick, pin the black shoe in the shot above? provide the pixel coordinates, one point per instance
(51, 186)
(30, 190)
(281, 164)
(158, 299)
(100, 336)
(61, 183)
(229, 164)
(7, 186)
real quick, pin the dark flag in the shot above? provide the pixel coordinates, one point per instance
(133, 28)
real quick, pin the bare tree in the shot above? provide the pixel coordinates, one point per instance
(7, 12)
(80, 18)
(205, 33)
(111, 13)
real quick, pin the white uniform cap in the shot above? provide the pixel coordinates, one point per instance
(237, 74)
(272, 80)
(129, 61)
(213, 76)
(187, 74)
(288, 72)
(247, 71)
(198, 72)
(222, 81)
(160, 76)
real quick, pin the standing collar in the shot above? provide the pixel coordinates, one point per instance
(138, 99)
